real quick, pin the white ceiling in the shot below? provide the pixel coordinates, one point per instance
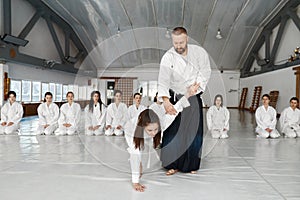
(143, 24)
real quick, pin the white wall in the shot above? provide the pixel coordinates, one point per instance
(282, 80)
(22, 72)
(222, 83)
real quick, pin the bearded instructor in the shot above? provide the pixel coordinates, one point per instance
(183, 66)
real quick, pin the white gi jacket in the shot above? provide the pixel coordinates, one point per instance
(134, 112)
(289, 118)
(70, 114)
(217, 119)
(48, 115)
(12, 113)
(265, 118)
(96, 117)
(178, 72)
(116, 115)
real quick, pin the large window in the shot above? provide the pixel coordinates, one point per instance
(82, 93)
(36, 91)
(58, 92)
(16, 86)
(65, 91)
(52, 90)
(45, 88)
(26, 91)
(76, 92)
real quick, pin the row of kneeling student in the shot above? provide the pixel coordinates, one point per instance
(218, 119)
(99, 118)
(266, 119)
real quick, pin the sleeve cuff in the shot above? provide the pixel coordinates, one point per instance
(135, 178)
(184, 102)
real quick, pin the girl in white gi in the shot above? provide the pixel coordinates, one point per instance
(48, 113)
(266, 119)
(95, 115)
(69, 118)
(11, 115)
(290, 119)
(116, 116)
(143, 136)
(218, 119)
(135, 109)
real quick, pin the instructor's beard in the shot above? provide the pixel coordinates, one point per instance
(181, 50)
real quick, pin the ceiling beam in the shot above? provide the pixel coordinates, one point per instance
(268, 63)
(7, 16)
(30, 25)
(295, 18)
(42, 10)
(10, 53)
(55, 39)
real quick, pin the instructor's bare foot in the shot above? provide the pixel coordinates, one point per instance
(171, 172)
(193, 172)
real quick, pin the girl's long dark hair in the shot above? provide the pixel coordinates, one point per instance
(91, 104)
(145, 118)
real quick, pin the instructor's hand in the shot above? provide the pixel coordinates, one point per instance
(192, 89)
(169, 107)
(138, 187)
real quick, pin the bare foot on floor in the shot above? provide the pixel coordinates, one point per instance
(171, 172)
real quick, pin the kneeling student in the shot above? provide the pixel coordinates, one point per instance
(48, 113)
(218, 119)
(290, 119)
(69, 118)
(11, 115)
(265, 116)
(95, 115)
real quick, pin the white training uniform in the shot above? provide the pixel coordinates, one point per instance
(133, 111)
(11, 113)
(69, 114)
(177, 72)
(95, 118)
(48, 115)
(115, 116)
(290, 122)
(266, 118)
(217, 121)
(159, 109)
(148, 151)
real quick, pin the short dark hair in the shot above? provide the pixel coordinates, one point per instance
(136, 94)
(294, 99)
(179, 30)
(118, 91)
(11, 92)
(48, 93)
(266, 95)
(70, 93)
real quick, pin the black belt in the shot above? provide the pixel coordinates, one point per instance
(175, 97)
